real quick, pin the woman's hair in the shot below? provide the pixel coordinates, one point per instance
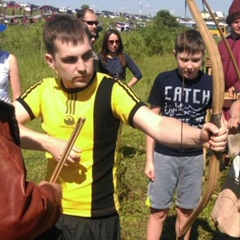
(104, 51)
(190, 41)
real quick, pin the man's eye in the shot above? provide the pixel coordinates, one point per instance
(70, 60)
(87, 56)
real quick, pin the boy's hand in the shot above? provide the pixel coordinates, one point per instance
(149, 171)
(214, 138)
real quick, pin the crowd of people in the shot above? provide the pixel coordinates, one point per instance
(83, 203)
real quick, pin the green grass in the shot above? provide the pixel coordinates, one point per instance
(132, 183)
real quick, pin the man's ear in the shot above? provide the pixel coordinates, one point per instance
(50, 60)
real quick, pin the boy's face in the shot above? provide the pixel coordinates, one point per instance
(235, 25)
(189, 64)
(73, 64)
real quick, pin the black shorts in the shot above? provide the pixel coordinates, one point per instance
(79, 228)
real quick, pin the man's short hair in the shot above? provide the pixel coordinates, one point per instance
(81, 13)
(65, 28)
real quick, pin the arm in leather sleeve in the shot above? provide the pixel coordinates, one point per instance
(26, 210)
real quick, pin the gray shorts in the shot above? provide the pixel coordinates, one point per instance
(183, 174)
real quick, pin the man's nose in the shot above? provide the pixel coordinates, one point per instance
(81, 65)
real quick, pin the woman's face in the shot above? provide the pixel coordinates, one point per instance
(113, 43)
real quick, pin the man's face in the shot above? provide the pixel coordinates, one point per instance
(91, 20)
(189, 64)
(235, 25)
(73, 64)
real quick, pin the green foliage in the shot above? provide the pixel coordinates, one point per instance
(164, 18)
(159, 40)
(85, 6)
(22, 36)
(26, 42)
(134, 44)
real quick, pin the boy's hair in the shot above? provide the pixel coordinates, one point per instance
(64, 28)
(190, 41)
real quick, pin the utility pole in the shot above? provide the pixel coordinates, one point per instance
(140, 7)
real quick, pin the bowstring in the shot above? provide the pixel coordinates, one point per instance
(182, 107)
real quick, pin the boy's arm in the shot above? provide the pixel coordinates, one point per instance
(168, 131)
(33, 140)
(150, 143)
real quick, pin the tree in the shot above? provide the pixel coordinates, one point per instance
(164, 18)
(85, 6)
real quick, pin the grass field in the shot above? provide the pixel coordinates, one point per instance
(132, 183)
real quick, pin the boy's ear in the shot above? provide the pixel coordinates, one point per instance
(174, 52)
(50, 60)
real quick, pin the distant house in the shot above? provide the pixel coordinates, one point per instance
(187, 23)
(205, 14)
(218, 15)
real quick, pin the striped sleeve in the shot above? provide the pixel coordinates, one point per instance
(125, 102)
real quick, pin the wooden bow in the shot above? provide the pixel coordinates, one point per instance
(218, 97)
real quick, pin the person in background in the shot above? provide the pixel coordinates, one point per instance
(114, 62)
(90, 210)
(231, 76)
(89, 17)
(233, 20)
(27, 210)
(9, 75)
(232, 82)
(178, 169)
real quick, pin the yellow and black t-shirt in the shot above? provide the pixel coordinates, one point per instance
(88, 186)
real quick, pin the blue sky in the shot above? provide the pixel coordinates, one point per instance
(176, 7)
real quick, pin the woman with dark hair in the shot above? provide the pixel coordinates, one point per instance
(113, 61)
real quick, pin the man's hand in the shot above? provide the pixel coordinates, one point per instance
(56, 186)
(234, 121)
(214, 138)
(57, 150)
(233, 124)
